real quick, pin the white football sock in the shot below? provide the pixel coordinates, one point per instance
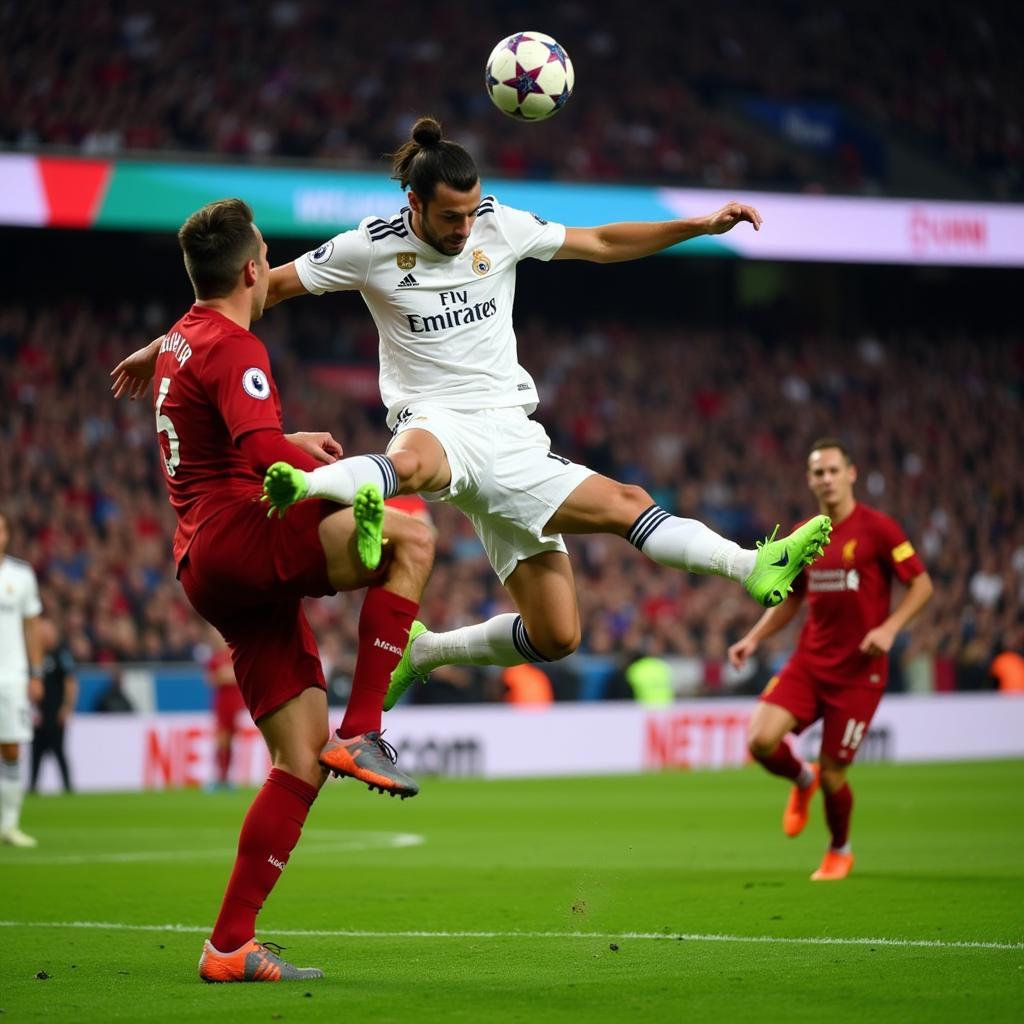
(806, 776)
(690, 545)
(498, 641)
(11, 795)
(340, 480)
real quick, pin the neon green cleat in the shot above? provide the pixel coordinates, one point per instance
(283, 486)
(779, 562)
(404, 674)
(368, 508)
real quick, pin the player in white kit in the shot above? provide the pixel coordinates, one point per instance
(439, 280)
(21, 660)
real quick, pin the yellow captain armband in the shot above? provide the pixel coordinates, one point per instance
(902, 552)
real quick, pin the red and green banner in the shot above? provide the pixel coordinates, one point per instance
(316, 203)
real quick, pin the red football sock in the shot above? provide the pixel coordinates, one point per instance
(838, 808)
(781, 761)
(383, 632)
(223, 763)
(269, 834)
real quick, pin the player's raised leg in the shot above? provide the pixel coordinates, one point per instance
(546, 628)
(415, 461)
(357, 748)
(602, 505)
(272, 827)
(284, 484)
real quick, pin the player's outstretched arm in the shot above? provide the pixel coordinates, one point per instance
(133, 374)
(616, 243)
(285, 283)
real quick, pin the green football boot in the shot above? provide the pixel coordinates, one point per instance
(404, 674)
(368, 508)
(283, 486)
(779, 562)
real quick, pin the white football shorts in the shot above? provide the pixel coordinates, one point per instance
(505, 478)
(15, 713)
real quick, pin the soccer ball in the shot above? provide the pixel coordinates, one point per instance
(529, 76)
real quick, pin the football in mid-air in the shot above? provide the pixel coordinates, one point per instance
(529, 76)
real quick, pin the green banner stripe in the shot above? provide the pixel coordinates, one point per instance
(315, 203)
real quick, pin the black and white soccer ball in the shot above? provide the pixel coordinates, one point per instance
(529, 76)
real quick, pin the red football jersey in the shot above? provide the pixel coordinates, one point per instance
(212, 386)
(849, 592)
(214, 664)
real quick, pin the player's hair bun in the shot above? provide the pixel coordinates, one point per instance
(426, 132)
(427, 159)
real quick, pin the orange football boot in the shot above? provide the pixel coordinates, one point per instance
(255, 961)
(370, 759)
(794, 818)
(834, 868)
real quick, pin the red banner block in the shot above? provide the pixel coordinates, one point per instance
(74, 189)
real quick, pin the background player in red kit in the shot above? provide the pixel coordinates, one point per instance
(218, 419)
(227, 704)
(839, 669)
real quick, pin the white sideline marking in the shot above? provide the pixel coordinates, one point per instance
(343, 843)
(191, 929)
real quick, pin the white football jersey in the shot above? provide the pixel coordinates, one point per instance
(445, 322)
(19, 600)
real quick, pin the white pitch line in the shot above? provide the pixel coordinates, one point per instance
(785, 940)
(354, 843)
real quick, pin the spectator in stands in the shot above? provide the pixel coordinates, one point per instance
(650, 678)
(526, 686)
(105, 80)
(1008, 666)
(100, 561)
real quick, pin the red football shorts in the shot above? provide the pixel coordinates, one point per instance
(247, 575)
(845, 711)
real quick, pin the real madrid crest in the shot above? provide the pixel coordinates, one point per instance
(481, 262)
(406, 260)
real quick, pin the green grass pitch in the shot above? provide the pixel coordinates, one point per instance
(651, 898)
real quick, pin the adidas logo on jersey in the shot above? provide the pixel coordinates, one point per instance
(408, 282)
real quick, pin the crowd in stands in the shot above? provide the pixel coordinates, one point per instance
(719, 433)
(320, 80)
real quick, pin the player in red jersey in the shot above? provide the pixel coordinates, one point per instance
(839, 669)
(218, 419)
(226, 704)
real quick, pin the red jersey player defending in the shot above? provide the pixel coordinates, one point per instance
(218, 419)
(839, 669)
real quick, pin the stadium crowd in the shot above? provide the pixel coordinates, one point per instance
(926, 417)
(334, 82)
